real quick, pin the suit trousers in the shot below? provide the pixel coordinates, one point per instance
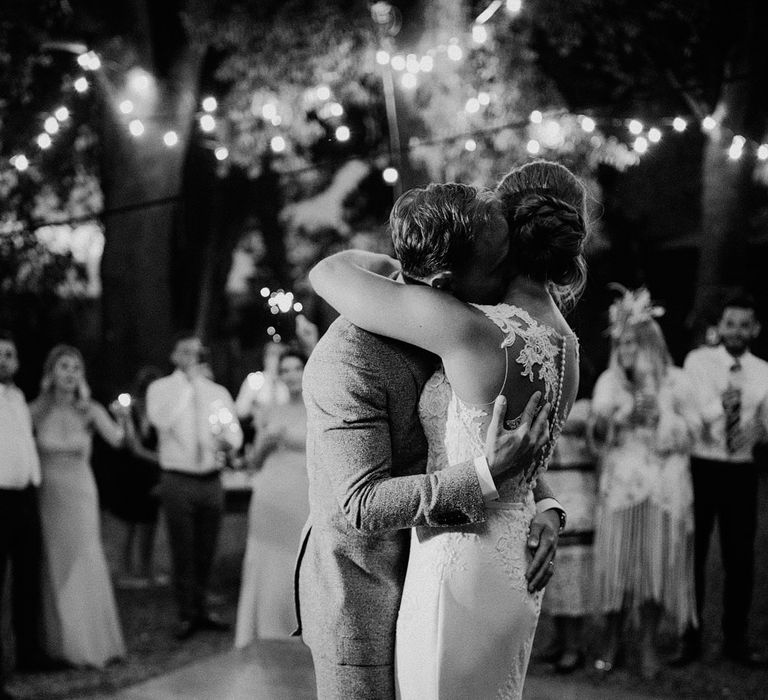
(337, 681)
(21, 546)
(726, 492)
(194, 508)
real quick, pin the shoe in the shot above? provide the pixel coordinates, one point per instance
(211, 621)
(569, 661)
(41, 664)
(685, 655)
(185, 629)
(744, 656)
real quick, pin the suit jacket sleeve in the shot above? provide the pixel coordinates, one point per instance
(354, 445)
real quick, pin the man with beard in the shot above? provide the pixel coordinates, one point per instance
(732, 387)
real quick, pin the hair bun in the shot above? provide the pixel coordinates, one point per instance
(548, 236)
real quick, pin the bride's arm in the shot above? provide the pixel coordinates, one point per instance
(352, 282)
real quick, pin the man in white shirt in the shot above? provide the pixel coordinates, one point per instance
(196, 424)
(20, 543)
(732, 388)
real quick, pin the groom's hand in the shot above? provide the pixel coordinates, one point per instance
(510, 452)
(542, 543)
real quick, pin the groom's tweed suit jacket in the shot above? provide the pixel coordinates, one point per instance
(362, 393)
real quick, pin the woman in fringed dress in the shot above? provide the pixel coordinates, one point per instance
(644, 417)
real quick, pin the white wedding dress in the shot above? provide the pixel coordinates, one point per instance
(467, 621)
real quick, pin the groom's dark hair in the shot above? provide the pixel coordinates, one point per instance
(434, 228)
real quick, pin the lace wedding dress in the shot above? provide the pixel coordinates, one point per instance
(467, 621)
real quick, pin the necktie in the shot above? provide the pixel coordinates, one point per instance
(732, 407)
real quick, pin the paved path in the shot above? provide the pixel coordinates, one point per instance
(282, 670)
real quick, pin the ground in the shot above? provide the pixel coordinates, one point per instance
(148, 616)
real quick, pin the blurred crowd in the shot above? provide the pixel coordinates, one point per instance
(650, 459)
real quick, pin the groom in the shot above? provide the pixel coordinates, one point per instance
(366, 456)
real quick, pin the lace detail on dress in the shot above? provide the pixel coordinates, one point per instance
(541, 347)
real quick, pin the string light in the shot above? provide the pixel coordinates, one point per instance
(514, 6)
(640, 145)
(679, 124)
(323, 93)
(136, 127)
(409, 81)
(342, 133)
(51, 125)
(536, 116)
(209, 104)
(277, 144)
(207, 123)
(89, 60)
(221, 153)
(708, 123)
(44, 141)
(382, 57)
(298, 307)
(472, 106)
(635, 127)
(81, 84)
(170, 138)
(470, 145)
(126, 107)
(412, 63)
(762, 151)
(20, 162)
(479, 34)
(264, 292)
(588, 124)
(269, 110)
(61, 114)
(484, 98)
(398, 62)
(335, 109)
(533, 147)
(427, 63)
(390, 175)
(654, 135)
(454, 52)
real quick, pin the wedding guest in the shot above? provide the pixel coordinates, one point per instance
(645, 417)
(732, 388)
(278, 510)
(262, 389)
(568, 596)
(196, 426)
(79, 612)
(20, 544)
(139, 476)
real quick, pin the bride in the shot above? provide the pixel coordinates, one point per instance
(467, 617)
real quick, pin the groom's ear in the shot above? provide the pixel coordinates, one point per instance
(442, 281)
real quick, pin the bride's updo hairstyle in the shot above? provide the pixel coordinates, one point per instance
(545, 206)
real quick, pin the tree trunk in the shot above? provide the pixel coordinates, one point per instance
(142, 184)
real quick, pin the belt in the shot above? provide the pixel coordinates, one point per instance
(200, 476)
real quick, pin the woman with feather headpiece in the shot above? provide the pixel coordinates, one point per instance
(643, 422)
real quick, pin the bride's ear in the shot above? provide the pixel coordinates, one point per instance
(443, 281)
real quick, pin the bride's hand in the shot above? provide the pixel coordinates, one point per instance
(510, 452)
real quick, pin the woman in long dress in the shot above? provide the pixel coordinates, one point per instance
(81, 624)
(645, 417)
(467, 618)
(278, 510)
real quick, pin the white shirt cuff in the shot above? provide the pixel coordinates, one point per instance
(486, 480)
(548, 504)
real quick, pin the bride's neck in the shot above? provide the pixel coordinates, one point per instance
(523, 288)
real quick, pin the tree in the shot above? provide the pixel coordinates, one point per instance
(662, 58)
